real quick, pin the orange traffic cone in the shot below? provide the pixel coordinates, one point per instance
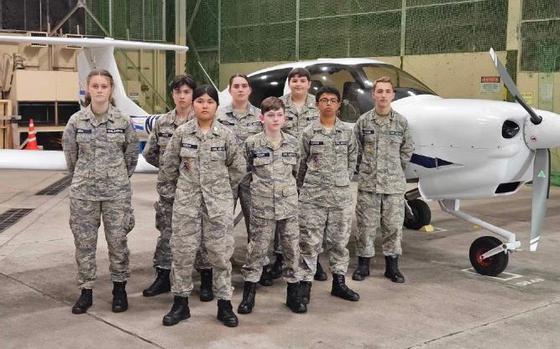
(31, 138)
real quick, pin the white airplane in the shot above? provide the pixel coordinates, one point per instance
(95, 53)
(464, 148)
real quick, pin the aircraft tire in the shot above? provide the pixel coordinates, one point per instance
(422, 215)
(491, 266)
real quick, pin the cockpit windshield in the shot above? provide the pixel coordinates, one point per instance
(405, 84)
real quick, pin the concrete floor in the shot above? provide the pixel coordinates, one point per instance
(442, 305)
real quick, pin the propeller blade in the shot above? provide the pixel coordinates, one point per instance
(540, 191)
(510, 85)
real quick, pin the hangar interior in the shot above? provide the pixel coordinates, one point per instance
(443, 43)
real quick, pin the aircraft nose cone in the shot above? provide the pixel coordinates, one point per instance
(544, 135)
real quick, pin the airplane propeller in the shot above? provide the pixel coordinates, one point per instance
(541, 164)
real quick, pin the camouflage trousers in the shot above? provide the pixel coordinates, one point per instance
(192, 228)
(243, 192)
(384, 211)
(262, 241)
(118, 221)
(334, 224)
(162, 254)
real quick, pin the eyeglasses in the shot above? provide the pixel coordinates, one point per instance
(326, 100)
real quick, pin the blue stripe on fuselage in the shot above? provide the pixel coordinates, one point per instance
(428, 162)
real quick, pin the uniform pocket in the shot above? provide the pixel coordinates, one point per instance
(116, 138)
(262, 160)
(289, 191)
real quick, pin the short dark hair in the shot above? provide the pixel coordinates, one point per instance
(383, 79)
(327, 89)
(237, 75)
(272, 103)
(299, 72)
(181, 80)
(206, 89)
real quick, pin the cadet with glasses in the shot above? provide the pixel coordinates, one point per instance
(328, 159)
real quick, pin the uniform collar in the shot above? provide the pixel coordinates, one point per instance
(309, 102)
(251, 110)
(87, 114)
(263, 141)
(173, 117)
(382, 120)
(318, 127)
(192, 128)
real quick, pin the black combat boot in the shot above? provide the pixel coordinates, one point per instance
(226, 314)
(160, 285)
(84, 302)
(293, 298)
(266, 276)
(320, 274)
(206, 293)
(276, 270)
(305, 291)
(392, 269)
(339, 289)
(248, 302)
(120, 301)
(179, 311)
(362, 270)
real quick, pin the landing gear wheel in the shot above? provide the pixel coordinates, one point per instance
(491, 266)
(421, 214)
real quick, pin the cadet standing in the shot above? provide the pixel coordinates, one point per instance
(164, 127)
(242, 118)
(385, 147)
(201, 167)
(272, 159)
(328, 158)
(101, 151)
(301, 110)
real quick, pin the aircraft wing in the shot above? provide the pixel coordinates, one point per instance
(91, 42)
(49, 160)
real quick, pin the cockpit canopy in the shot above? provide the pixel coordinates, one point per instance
(353, 81)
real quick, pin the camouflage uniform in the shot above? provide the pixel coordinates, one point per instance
(297, 121)
(200, 171)
(385, 147)
(274, 204)
(164, 128)
(242, 125)
(326, 167)
(101, 154)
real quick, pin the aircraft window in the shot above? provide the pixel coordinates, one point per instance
(342, 78)
(405, 84)
(268, 84)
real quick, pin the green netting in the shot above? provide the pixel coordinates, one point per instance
(555, 166)
(126, 19)
(540, 45)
